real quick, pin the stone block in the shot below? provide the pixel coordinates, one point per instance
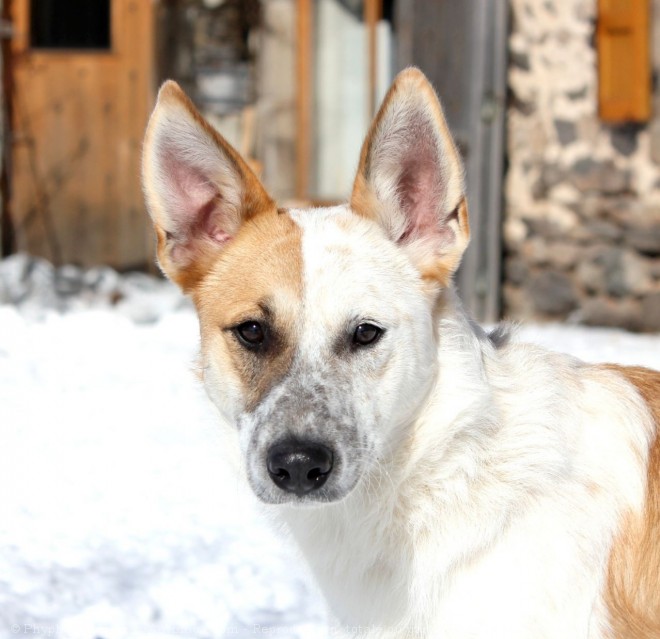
(624, 138)
(577, 94)
(654, 268)
(654, 132)
(517, 303)
(566, 131)
(626, 274)
(650, 312)
(591, 276)
(534, 251)
(591, 175)
(625, 210)
(563, 255)
(519, 59)
(553, 293)
(637, 273)
(603, 230)
(516, 270)
(645, 238)
(603, 311)
(549, 176)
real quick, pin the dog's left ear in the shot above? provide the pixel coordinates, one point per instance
(410, 178)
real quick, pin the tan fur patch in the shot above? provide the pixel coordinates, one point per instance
(633, 586)
(257, 276)
(442, 269)
(254, 199)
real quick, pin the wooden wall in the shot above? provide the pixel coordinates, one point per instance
(78, 119)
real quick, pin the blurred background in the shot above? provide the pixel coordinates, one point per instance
(554, 105)
(118, 516)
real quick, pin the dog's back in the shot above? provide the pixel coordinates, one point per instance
(633, 577)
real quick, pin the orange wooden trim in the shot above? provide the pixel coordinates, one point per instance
(20, 18)
(624, 64)
(117, 16)
(304, 96)
(373, 11)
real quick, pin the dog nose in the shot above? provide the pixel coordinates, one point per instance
(299, 467)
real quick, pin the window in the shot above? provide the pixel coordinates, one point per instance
(345, 52)
(70, 24)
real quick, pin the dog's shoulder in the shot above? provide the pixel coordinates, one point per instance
(633, 589)
(646, 381)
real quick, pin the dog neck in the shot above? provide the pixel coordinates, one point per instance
(361, 544)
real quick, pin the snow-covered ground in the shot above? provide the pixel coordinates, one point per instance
(117, 517)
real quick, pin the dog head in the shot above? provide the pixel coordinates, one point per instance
(317, 326)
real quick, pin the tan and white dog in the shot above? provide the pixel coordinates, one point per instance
(441, 482)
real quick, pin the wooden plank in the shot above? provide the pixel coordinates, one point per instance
(7, 232)
(373, 11)
(79, 120)
(624, 60)
(304, 53)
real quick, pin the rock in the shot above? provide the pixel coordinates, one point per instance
(534, 251)
(563, 255)
(592, 206)
(578, 94)
(626, 211)
(624, 138)
(602, 230)
(552, 174)
(515, 232)
(525, 107)
(516, 270)
(636, 274)
(591, 175)
(591, 277)
(553, 293)
(519, 59)
(517, 303)
(650, 314)
(654, 269)
(645, 238)
(555, 222)
(655, 140)
(602, 311)
(566, 131)
(615, 283)
(625, 273)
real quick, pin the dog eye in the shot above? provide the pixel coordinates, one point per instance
(366, 334)
(250, 334)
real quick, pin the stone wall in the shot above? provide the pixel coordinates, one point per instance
(582, 213)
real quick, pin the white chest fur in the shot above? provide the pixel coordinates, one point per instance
(496, 519)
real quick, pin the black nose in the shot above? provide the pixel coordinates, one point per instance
(299, 467)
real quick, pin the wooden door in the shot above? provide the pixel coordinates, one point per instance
(82, 90)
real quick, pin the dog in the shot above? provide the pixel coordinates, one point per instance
(441, 481)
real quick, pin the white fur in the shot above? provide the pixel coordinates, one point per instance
(495, 518)
(477, 483)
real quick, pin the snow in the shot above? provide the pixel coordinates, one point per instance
(117, 516)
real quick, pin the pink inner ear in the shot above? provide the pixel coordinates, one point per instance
(420, 190)
(418, 198)
(195, 202)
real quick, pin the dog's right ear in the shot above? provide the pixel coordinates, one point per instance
(197, 187)
(410, 178)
